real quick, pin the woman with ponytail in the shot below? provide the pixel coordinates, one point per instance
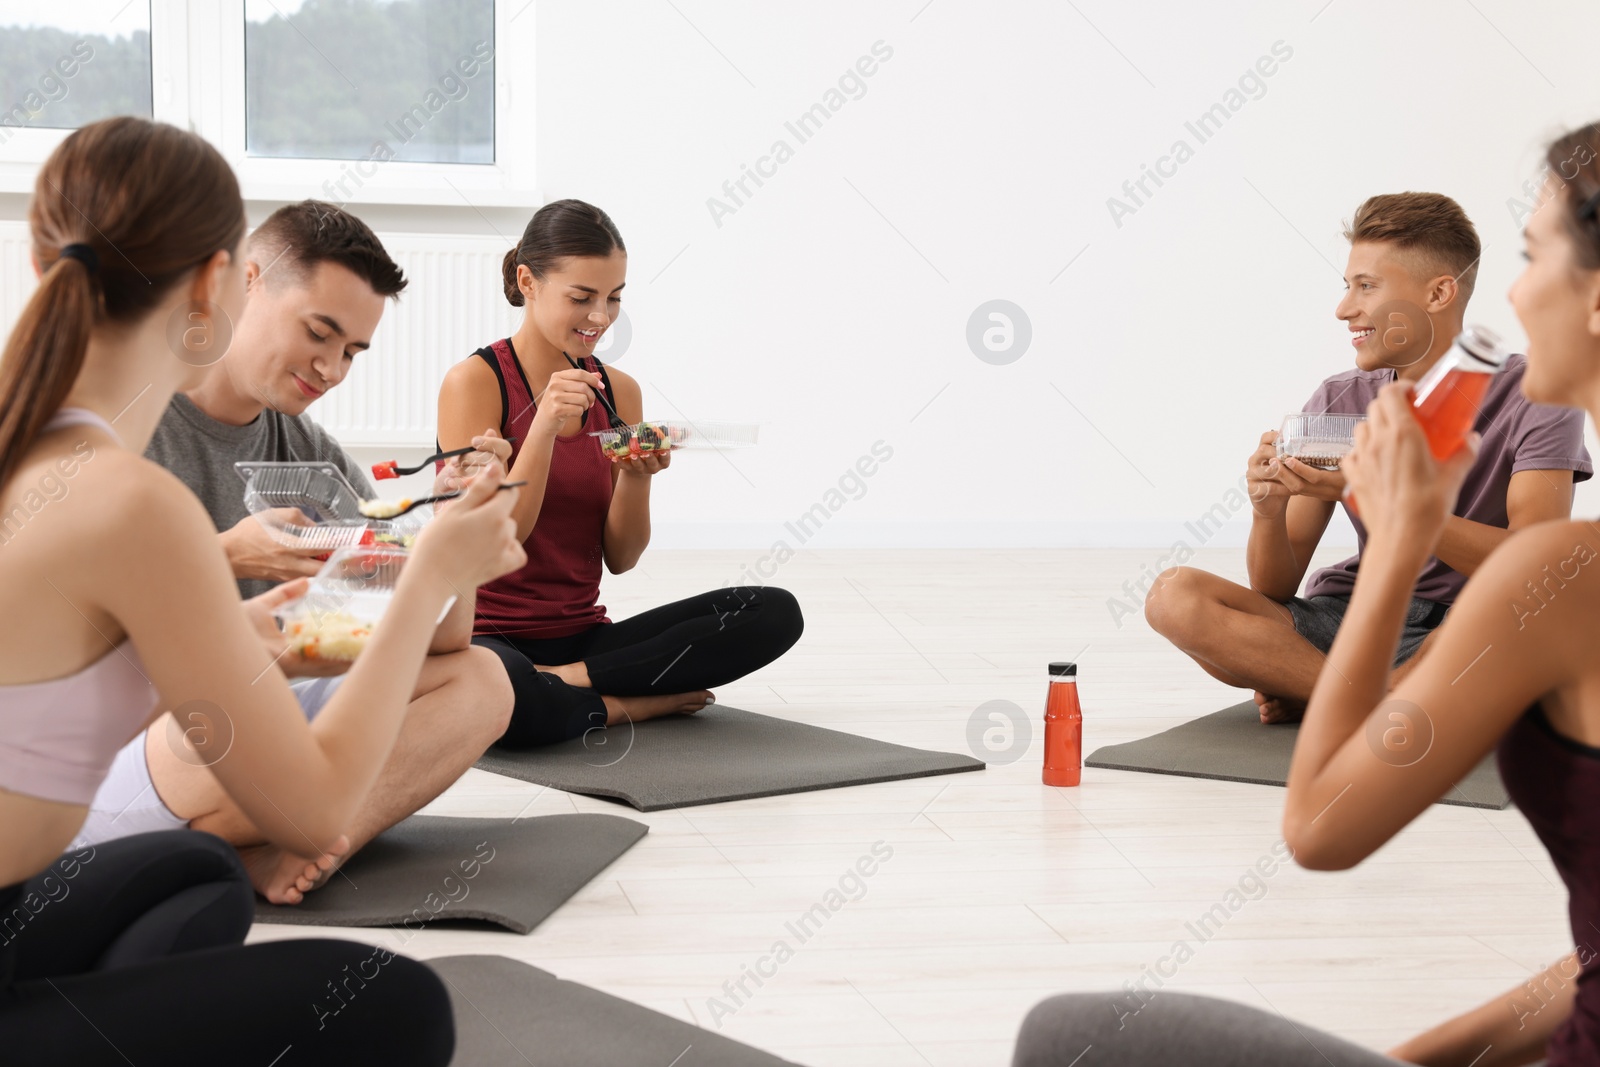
(572, 668)
(117, 605)
(1520, 640)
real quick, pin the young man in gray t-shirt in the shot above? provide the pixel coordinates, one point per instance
(318, 280)
(1413, 260)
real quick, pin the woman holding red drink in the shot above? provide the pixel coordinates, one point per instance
(1514, 673)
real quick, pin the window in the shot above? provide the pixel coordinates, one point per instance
(64, 67)
(419, 86)
(355, 101)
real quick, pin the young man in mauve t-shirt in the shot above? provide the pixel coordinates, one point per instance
(1413, 261)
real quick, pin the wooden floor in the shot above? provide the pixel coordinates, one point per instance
(999, 890)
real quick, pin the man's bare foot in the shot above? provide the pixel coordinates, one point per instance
(285, 878)
(638, 709)
(1279, 709)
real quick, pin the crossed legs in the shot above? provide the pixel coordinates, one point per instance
(461, 706)
(1246, 639)
(659, 662)
(1238, 636)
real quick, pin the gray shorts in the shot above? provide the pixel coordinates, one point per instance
(1319, 618)
(127, 803)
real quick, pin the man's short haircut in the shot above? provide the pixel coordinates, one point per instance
(1430, 225)
(295, 239)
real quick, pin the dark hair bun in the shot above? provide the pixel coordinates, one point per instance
(508, 271)
(556, 231)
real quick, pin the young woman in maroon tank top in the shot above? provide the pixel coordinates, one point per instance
(1514, 673)
(574, 669)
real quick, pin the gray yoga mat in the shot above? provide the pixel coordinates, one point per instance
(510, 872)
(720, 753)
(509, 1014)
(1233, 746)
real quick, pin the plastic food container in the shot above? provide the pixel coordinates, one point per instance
(345, 602)
(1318, 440)
(325, 499)
(648, 437)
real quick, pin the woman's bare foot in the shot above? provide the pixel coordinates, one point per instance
(285, 878)
(638, 709)
(1279, 709)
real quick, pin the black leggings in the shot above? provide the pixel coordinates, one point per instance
(704, 641)
(130, 951)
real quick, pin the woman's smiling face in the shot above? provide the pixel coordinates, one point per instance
(577, 302)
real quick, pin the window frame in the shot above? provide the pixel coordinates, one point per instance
(197, 82)
(29, 146)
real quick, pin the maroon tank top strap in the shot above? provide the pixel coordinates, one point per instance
(516, 395)
(486, 353)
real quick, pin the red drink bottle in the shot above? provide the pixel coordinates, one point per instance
(1063, 727)
(1447, 399)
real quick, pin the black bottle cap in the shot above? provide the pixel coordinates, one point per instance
(1063, 670)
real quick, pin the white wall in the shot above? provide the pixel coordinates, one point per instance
(832, 306)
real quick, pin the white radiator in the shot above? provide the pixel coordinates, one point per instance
(16, 271)
(453, 304)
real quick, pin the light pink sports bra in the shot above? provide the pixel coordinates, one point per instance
(58, 738)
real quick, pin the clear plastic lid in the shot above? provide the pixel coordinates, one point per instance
(312, 505)
(344, 603)
(647, 437)
(1318, 439)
